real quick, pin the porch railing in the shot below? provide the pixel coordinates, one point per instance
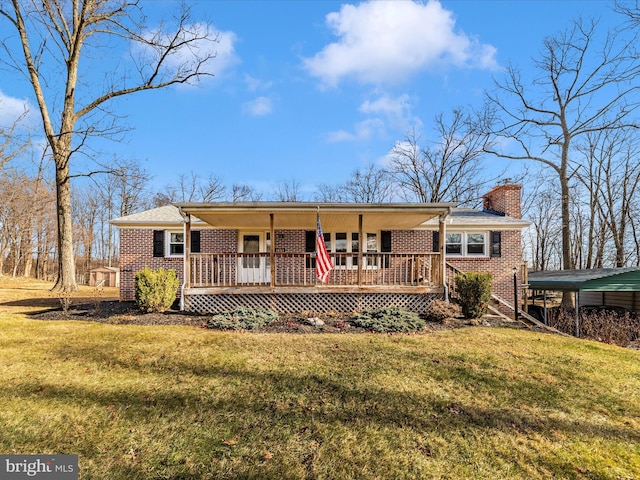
(298, 269)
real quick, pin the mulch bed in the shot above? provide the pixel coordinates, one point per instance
(127, 313)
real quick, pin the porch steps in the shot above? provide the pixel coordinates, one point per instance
(523, 317)
(498, 302)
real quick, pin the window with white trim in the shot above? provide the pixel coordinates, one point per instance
(347, 245)
(175, 244)
(467, 244)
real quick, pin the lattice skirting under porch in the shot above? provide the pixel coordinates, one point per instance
(312, 302)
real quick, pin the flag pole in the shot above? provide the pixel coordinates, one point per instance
(324, 265)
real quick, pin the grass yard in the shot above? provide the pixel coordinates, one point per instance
(169, 402)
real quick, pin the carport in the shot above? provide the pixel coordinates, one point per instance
(612, 287)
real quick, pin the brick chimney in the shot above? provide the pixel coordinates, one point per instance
(503, 199)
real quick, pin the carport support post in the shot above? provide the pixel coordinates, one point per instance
(577, 314)
(515, 293)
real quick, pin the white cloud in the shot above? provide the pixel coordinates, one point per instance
(395, 110)
(386, 160)
(385, 112)
(384, 42)
(211, 43)
(259, 107)
(254, 84)
(363, 131)
(13, 109)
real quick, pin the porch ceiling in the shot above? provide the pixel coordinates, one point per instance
(297, 215)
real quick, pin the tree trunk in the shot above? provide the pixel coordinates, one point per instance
(66, 281)
(567, 263)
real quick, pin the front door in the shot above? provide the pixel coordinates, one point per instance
(254, 267)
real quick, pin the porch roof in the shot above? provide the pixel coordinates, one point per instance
(303, 215)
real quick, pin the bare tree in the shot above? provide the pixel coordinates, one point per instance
(191, 188)
(542, 241)
(86, 207)
(369, 185)
(611, 173)
(69, 33)
(564, 104)
(23, 211)
(581, 86)
(289, 191)
(244, 193)
(328, 193)
(449, 170)
(11, 143)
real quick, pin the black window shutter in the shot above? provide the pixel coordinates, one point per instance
(385, 241)
(195, 241)
(385, 246)
(436, 242)
(158, 243)
(310, 247)
(310, 241)
(496, 244)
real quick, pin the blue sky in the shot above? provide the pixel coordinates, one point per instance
(312, 90)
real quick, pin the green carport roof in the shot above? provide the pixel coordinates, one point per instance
(601, 279)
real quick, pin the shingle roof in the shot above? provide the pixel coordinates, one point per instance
(470, 218)
(167, 215)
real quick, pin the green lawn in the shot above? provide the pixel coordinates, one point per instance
(185, 403)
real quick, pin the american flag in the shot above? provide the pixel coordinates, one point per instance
(324, 265)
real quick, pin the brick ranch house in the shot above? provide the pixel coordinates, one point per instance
(261, 254)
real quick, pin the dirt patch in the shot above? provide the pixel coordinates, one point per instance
(127, 313)
(120, 313)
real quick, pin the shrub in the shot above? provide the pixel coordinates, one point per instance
(156, 289)
(242, 318)
(386, 320)
(603, 326)
(474, 293)
(439, 311)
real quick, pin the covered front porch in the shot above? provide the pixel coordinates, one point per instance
(272, 270)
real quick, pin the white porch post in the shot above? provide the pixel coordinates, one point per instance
(442, 235)
(361, 245)
(187, 251)
(272, 250)
(186, 259)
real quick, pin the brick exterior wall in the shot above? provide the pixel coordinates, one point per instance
(136, 252)
(504, 199)
(291, 241)
(218, 241)
(500, 267)
(408, 241)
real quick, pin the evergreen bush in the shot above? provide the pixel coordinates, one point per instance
(474, 293)
(391, 319)
(155, 289)
(242, 318)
